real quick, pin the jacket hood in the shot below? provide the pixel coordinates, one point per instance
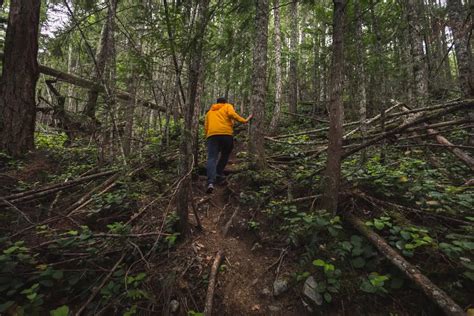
(217, 106)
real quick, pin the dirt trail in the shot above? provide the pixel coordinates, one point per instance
(245, 281)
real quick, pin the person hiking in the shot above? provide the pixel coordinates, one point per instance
(218, 127)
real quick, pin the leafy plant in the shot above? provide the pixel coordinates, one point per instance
(331, 282)
(375, 283)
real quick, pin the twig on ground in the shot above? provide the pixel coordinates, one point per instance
(212, 283)
(13, 207)
(101, 285)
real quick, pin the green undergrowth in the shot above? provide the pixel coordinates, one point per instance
(53, 268)
(406, 188)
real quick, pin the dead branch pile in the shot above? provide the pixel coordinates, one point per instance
(396, 127)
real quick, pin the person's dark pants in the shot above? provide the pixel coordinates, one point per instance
(216, 144)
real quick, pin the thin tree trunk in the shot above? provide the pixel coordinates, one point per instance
(259, 92)
(19, 76)
(278, 85)
(360, 69)
(188, 137)
(316, 73)
(461, 24)
(418, 56)
(71, 65)
(331, 178)
(293, 75)
(101, 58)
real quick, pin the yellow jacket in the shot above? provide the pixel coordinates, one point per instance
(220, 120)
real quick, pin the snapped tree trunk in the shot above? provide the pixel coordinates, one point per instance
(331, 178)
(19, 76)
(259, 92)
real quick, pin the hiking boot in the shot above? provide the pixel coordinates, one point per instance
(210, 188)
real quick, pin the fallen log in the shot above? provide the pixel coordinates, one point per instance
(226, 228)
(433, 292)
(212, 283)
(54, 187)
(416, 121)
(373, 119)
(94, 86)
(464, 157)
(418, 110)
(456, 150)
(312, 131)
(87, 198)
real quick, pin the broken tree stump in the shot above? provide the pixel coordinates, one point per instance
(433, 292)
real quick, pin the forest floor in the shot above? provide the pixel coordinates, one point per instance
(249, 270)
(102, 238)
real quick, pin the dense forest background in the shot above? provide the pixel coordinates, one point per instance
(350, 192)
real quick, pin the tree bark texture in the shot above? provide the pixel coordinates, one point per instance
(331, 178)
(259, 93)
(278, 86)
(417, 54)
(293, 75)
(19, 76)
(461, 26)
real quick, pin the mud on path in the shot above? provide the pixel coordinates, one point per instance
(248, 271)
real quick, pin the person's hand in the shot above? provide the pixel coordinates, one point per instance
(250, 117)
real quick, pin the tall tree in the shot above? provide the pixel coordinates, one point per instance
(278, 83)
(332, 174)
(461, 25)
(259, 92)
(420, 77)
(189, 144)
(361, 78)
(293, 75)
(104, 49)
(19, 76)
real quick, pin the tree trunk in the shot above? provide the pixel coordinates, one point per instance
(19, 76)
(331, 178)
(461, 25)
(293, 75)
(316, 73)
(278, 86)
(360, 69)
(259, 92)
(188, 137)
(101, 58)
(417, 54)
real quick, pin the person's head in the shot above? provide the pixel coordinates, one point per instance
(221, 100)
